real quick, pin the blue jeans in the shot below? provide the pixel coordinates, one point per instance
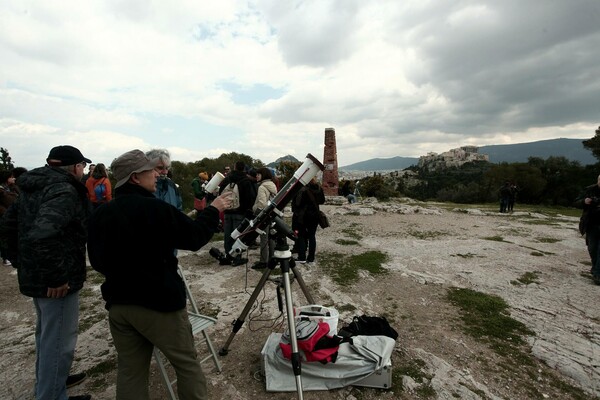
(232, 221)
(592, 239)
(55, 340)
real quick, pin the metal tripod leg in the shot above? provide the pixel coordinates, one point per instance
(302, 284)
(296, 361)
(237, 324)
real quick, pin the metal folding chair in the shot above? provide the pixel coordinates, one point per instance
(200, 323)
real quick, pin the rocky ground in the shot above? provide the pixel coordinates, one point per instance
(535, 261)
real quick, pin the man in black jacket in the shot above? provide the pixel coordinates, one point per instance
(45, 231)
(590, 202)
(246, 192)
(131, 242)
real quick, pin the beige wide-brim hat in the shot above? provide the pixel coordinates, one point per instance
(132, 162)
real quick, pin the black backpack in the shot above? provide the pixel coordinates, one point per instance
(368, 326)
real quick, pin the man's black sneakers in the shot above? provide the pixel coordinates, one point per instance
(74, 380)
(81, 397)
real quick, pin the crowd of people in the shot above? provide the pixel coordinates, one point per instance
(52, 215)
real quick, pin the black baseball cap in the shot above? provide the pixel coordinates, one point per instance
(65, 155)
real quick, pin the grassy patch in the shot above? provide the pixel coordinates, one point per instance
(424, 235)
(345, 307)
(546, 253)
(352, 232)
(415, 368)
(538, 221)
(496, 239)
(486, 318)
(344, 270)
(548, 240)
(529, 277)
(346, 242)
(575, 392)
(466, 255)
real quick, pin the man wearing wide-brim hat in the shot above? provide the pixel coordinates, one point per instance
(131, 242)
(45, 230)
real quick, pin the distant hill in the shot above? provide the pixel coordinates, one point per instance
(378, 164)
(572, 149)
(275, 163)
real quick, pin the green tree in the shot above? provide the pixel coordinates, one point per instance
(376, 186)
(184, 173)
(6, 163)
(593, 144)
(286, 170)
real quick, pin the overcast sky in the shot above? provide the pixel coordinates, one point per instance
(266, 77)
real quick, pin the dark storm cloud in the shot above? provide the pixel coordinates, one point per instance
(512, 64)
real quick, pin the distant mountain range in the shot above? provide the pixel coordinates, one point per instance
(571, 149)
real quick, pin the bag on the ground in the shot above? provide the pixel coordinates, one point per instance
(313, 342)
(235, 196)
(368, 326)
(100, 191)
(323, 221)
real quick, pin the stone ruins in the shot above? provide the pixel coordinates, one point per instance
(330, 174)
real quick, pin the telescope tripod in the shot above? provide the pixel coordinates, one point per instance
(282, 257)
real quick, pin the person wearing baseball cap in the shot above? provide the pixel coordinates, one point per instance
(131, 242)
(45, 230)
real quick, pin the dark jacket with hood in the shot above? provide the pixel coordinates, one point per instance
(45, 230)
(247, 191)
(131, 242)
(306, 206)
(591, 212)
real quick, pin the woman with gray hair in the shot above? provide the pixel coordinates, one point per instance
(166, 189)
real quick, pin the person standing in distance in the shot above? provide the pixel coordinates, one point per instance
(590, 225)
(45, 230)
(131, 242)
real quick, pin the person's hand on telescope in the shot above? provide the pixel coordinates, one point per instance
(223, 202)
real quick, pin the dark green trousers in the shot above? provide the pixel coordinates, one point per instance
(135, 331)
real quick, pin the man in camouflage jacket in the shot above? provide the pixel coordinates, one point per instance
(45, 230)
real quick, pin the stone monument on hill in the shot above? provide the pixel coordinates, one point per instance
(330, 173)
